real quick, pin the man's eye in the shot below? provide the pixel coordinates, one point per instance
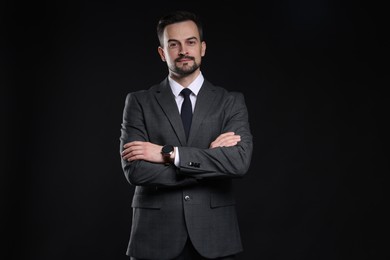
(172, 45)
(191, 42)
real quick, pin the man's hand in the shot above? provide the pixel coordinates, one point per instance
(139, 150)
(225, 140)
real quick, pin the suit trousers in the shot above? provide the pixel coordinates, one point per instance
(190, 253)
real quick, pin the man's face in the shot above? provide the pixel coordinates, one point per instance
(182, 50)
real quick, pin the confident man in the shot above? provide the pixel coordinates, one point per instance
(183, 141)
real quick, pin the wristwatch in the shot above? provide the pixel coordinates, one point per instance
(166, 151)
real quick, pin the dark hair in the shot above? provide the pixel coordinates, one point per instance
(176, 17)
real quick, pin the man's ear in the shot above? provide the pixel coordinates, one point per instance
(203, 49)
(161, 52)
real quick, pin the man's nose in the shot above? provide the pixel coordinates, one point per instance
(183, 52)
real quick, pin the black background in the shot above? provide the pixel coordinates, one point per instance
(313, 79)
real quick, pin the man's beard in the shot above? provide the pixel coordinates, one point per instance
(185, 70)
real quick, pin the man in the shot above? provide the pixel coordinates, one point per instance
(182, 152)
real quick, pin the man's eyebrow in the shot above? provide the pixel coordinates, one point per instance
(192, 38)
(172, 40)
(188, 39)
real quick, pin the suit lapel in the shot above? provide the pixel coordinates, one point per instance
(167, 102)
(204, 101)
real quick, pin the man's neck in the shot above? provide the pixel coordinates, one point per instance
(185, 81)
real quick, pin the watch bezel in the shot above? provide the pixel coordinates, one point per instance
(167, 150)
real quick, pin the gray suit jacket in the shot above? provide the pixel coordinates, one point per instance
(196, 199)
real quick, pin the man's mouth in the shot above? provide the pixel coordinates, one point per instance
(185, 59)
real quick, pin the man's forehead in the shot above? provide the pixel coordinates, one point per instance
(181, 31)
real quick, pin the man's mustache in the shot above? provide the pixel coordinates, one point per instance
(185, 57)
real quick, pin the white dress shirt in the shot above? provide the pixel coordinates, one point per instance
(176, 89)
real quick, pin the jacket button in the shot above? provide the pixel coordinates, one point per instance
(187, 198)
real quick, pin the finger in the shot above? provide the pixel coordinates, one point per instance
(132, 150)
(133, 143)
(127, 150)
(135, 146)
(229, 144)
(224, 135)
(135, 157)
(231, 141)
(228, 133)
(133, 154)
(228, 139)
(127, 145)
(232, 137)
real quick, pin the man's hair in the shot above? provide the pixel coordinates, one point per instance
(176, 17)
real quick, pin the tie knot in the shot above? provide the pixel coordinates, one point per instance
(186, 92)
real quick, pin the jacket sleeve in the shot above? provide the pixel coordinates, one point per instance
(222, 162)
(140, 172)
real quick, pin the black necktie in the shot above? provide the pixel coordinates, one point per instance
(186, 110)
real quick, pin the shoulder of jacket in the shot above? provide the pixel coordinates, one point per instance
(228, 93)
(143, 92)
(224, 90)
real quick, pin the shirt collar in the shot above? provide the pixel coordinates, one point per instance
(194, 86)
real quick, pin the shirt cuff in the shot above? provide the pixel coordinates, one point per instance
(177, 157)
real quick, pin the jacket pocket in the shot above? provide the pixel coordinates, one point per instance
(146, 201)
(221, 200)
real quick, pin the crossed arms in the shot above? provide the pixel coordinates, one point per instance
(227, 156)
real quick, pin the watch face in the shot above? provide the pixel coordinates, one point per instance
(167, 149)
